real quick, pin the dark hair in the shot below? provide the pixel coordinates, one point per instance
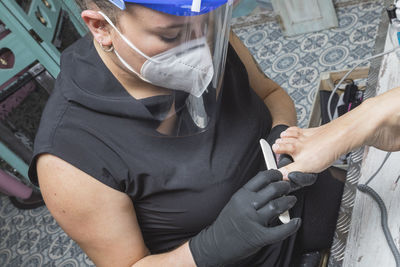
(104, 5)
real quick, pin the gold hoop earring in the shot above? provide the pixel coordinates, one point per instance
(106, 50)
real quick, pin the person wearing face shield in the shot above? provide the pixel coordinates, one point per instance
(147, 153)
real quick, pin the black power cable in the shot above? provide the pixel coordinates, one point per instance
(382, 207)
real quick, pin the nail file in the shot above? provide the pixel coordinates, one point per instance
(271, 165)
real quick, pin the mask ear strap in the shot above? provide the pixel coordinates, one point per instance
(129, 67)
(126, 39)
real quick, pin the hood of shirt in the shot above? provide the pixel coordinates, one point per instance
(85, 80)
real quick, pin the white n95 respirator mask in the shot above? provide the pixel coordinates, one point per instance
(187, 67)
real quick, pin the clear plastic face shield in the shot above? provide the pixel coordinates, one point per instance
(189, 72)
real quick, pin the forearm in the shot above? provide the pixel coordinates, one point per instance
(281, 107)
(180, 256)
(278, 101)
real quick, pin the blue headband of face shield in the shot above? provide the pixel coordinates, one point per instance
(176, 7)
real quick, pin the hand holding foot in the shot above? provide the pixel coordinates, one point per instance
(308, 148)
(376, 122)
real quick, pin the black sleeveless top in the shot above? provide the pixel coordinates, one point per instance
(178, 185)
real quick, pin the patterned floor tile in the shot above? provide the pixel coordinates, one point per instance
(296, 62)
(33, 238)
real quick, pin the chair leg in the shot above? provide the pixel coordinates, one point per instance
(13, 187)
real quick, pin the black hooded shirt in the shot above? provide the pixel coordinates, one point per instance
(178, 185)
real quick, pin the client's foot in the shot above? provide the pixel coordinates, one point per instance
(312, 150)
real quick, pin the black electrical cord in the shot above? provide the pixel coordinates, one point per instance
(364, 187)
(384, 216)
(348, 73)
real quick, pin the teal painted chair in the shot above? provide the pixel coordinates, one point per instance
(34, 26)
(33, 32)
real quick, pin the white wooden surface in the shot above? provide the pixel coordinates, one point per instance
(301, 16)
(366, 245)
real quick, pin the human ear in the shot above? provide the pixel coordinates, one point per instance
(97, 26)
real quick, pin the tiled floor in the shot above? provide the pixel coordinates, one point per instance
(297, 62)
(33, 238)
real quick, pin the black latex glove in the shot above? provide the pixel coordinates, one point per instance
(297, 179)
(242, 227)
(275, 133)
